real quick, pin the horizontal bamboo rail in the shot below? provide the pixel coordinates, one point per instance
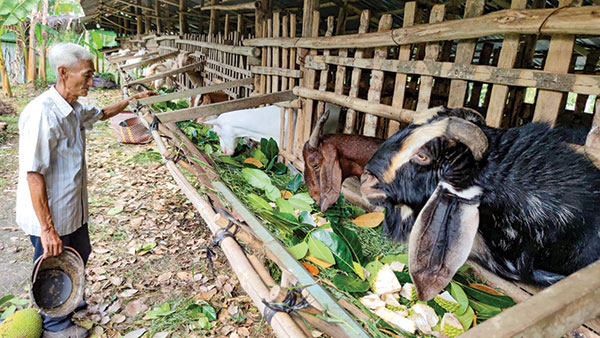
(195, 91)
(150, 61)
(295, 73)
(120, 59)
(239, 50)
(165, 74)
(578, 83)
(567, 20)
(252, 5)
(224, 107)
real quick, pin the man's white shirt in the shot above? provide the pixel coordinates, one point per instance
(52, 143)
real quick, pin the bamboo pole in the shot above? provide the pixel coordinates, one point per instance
(157, 13)
(325, 73)
(252, 5)
(568, 20)
(165, 74)
(214, 18)
(195, 91)
(150, 61)
(240, 50)
(432, 52)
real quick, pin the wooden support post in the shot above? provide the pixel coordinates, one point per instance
(226, 27)
(508, 57)
(307, 17)
(340, 28)
(276, 56)
(157, 13)
(285, 63)
(464, 55)
(403, 55)
(214, 18)
(240, 25)
(484, 59)
(558, 60)
(376, 83)
(324, 73)
(292, 83)
(432, 52)
(349, 128)
(139, 18)
(269, 63)
(183, 28)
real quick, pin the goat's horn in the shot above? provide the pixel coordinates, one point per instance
(313, 141)
(469, 134)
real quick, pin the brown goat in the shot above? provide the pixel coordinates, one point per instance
(330, 159)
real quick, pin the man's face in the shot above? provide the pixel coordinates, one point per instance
(78, 78)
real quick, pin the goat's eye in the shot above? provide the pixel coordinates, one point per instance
(421, 158)
(316, 166)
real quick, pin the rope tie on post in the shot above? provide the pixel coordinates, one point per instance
(293, 301)
(220, 235)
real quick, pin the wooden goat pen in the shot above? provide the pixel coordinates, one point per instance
(383, 78)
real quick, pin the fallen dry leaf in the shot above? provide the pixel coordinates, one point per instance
(118, 318)
(370, 220)
(135, 307)
(318, 261)
(311, 268)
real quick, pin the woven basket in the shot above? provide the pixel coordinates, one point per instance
(129, 128)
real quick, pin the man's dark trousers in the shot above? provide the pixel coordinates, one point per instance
(80, 241)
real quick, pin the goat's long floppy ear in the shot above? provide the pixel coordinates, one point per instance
(442, 237)
(330, 176)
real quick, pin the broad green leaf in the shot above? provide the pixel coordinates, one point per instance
(160, 311)
(115, 210)
(339, 249)
(466, 318)
(388, 259)
(295, 183)
(259, 155)
(258, 202)
(461, 297)
(231, 161)
(20, 301)
(6, 299)
(210, 312)
(13, 11)
(299, 250)
(284, 206)
(272, 192)
(372, 268)
(306, 218)
(358, 269)
(204, 323)
(320, 250)
(302, 201)
(257, 178)
(350, 283)
(9, 311)
(351, 239)
(486, 298)
(481, 307)
(278, 168)
(269, 148)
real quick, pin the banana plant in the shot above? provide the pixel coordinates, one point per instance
(11, 13)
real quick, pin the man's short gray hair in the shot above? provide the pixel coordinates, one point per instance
(67, 55)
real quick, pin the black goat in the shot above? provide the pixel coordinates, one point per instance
(520, 201)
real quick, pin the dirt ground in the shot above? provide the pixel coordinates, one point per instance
(147, 274)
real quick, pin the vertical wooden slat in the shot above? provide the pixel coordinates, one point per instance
(269, 54)
(325, 73)
(590, 68)
(432, 52)
(508, 57)
(464, 55)
(157, 13)
(285, 63)
(365, 17)
(557, 61)
(403, 55)
(226, 26)
(263, 78)
(240, 25)
(291, 84)
(484, 59)
(275, 62)
(376, 83)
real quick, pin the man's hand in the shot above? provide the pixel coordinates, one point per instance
(51, 243)
(146, 93)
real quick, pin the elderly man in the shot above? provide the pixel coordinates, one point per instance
(52, 202)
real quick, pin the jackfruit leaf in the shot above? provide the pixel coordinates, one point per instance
(256, 178)
(208, 149)
(269, 147)
(481, 307)
(278, 168)
(272, 192)
(311, 268)
(486, 298)
(318, 261)
(230, 161)
(259, 155)
(343, 256)
(9, 311)
(302, 201)
(388, 259)
(203, 323)
(285, 194)
(115, 210)
(6, 299)
(350, 283)
(210, 312)
(159, 311)
(146, 247)
(358, 269)
(370, 220)
(299, 250)
(403, 277)
(320, 250)
(372, 268)
(258, 202)
(486, 289)
(202, 310)
(466, 319)
(461, 297)
(20, 301)
(351, 239)
(251, 160)
(295, 183)
(284, 206)
(463, 268)
(306, 218)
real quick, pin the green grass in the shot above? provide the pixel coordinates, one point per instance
(146, 157)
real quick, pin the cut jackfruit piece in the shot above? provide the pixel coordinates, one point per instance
(386, 281)
(427, 312)
(25, 323)
(372, 301)
(409, 292)
(447, 302)
(396, 320)
(451, 326)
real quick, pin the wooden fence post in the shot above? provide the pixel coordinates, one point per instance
(432, 52)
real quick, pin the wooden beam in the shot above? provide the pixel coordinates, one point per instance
(569, 20)
(214, 18)
(165, 74)
(578, 83)
(129, 3)
(224, 107)
(183, 28)
(150, 61)
(196, 91)
(240, 50)
(119, 59)
(157, 13)
(552, 312)
(251, 5)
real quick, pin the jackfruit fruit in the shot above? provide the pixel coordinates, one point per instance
(25, 323)
(447, 302)
(451, 326)
(396, 320)
(409, 292)
(386, 281)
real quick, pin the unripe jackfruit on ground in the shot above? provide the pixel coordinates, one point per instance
(25, 323)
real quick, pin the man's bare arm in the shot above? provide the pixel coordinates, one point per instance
(117, 107)
(51, 242)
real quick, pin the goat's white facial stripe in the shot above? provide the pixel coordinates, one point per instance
(412, 144)
(467, 194)
(405, 212)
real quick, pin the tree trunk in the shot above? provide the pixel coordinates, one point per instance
(4, 74)
(42, 51)
(31, 58)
